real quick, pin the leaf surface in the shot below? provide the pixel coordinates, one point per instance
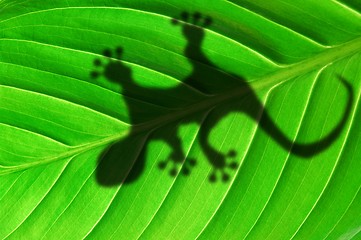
(80, 147)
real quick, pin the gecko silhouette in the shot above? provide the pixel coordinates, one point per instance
(111, 170)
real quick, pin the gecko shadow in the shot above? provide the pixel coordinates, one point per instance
(114, 164)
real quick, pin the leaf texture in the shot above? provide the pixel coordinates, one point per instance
(80, 152)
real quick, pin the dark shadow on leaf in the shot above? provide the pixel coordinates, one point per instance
(122, 163)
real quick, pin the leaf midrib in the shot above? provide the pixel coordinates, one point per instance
(282, 75)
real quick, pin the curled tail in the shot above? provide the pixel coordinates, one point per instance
(308, 149)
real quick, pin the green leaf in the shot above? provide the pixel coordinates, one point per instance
(180, 119)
